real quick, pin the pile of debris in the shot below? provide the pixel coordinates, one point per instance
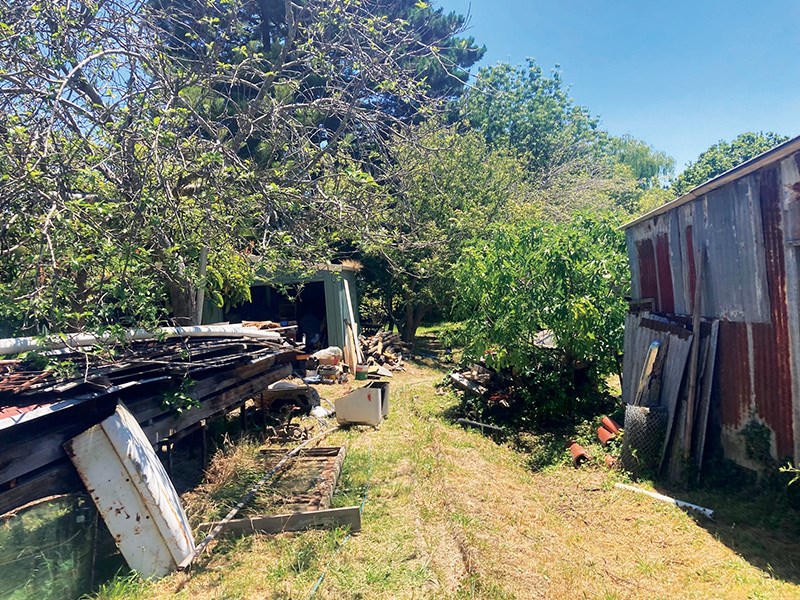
(172, 381)
(479, 380)
(668, 377)
(384, 349)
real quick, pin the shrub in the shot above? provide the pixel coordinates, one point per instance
(569, 278)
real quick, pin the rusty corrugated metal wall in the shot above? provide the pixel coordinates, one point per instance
(750, 229)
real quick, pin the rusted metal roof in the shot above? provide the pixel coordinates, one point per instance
(26, 393)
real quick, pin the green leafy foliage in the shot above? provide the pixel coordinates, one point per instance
(523, 111)
(569, 278)
(136, 139)
(648, 166)
(447, 186)
(723, 156)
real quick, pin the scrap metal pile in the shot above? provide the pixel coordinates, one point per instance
(172, 383)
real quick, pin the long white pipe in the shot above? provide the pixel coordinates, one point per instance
(71, 340)
(680, 503)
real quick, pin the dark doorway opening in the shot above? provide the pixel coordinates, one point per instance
(303, 305)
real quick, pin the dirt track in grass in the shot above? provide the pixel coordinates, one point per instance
(451, 514)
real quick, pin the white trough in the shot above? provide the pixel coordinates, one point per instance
(363, 406)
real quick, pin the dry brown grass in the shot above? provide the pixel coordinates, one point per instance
(451, 514)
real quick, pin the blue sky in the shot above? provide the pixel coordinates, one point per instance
(680, 75)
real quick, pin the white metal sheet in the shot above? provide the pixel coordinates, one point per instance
(133, 493)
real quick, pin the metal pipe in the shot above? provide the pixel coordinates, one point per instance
(72, 340)
(481, 426)
(679, 503)
(201, 287)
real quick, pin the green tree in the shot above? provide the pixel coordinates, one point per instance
(525, 112)
(568, 278)
(570, 163)
(649, 168)
(445, 189)
(723, 156)
(139, 137)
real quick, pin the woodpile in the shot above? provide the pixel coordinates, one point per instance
(480, 380)
(384, 349)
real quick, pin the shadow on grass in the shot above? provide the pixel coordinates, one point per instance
(429, 351)
(757, 520)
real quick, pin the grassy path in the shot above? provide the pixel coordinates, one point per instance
(451, 514)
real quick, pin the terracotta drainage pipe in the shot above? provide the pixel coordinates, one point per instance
(610, 424)
(579, 454)
(604, 435)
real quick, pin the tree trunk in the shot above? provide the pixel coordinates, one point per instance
(409, 323)
(414, 314)
(183, 298)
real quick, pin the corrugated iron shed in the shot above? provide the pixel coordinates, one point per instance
(748, 222)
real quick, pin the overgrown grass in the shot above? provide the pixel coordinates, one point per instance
(450, 513)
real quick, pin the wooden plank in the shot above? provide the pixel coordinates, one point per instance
(351, 342)
(465, 384)
(692, 384)
(704, 406)
(174, 423)
(653, 355)
(152, 407)
(57, 478)
(330, 518)
(673, 382)
(356, 343)
(329, 480)
(31, 446)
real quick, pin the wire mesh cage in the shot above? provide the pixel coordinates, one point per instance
(645, 428)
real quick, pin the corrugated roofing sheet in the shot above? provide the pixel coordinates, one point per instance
(749, 226)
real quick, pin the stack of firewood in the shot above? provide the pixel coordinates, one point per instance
(385, 349)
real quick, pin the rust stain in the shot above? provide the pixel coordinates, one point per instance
(647, 269)
(666, 297)
(771, 344)
(735, 384)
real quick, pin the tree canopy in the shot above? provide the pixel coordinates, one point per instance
(723, 156)
(141, 136)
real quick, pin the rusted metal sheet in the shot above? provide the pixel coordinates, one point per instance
(666, 299)
(641, 331)
(133, 493)
(750, 229)
(648, 282)
(772, 372)
(790, 196)
(633, 263)
(677, 258)
(691, 269)
(729, 227)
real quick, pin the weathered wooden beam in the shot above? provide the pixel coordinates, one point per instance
(226, 401)
(58, 478)
(331, 518)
